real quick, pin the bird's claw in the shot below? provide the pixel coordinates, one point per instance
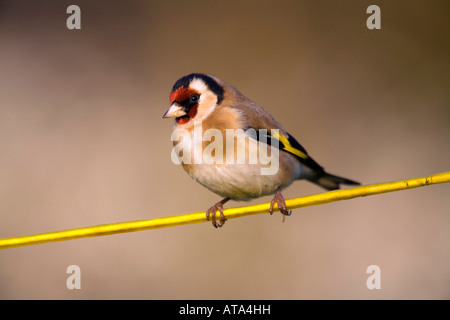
(211, 212)
(279, 199)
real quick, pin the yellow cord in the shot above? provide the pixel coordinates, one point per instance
(197, 217)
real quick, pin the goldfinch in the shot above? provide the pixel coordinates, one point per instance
(225, 140)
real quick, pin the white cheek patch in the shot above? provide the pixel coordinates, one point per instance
(208, 99)
(205, 107)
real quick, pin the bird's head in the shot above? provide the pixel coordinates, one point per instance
(194, 97)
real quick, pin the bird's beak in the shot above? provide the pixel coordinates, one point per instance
(174, 111)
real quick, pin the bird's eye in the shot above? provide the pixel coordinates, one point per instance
(195, 97)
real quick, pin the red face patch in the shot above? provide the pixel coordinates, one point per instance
(181, 94)
(182, 120)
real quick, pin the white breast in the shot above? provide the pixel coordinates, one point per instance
(244, 181)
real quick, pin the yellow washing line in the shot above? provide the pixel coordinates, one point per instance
(197, 217)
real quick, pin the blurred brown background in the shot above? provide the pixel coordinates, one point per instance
(82, 143)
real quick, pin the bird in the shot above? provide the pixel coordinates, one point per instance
(203, 103)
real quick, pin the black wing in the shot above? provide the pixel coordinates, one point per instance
(290, 145)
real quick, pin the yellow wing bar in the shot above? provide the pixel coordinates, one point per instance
(288, 147)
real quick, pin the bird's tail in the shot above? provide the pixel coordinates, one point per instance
(332, 182)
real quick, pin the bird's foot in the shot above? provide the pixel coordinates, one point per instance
(211, 212)
(279, 199)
